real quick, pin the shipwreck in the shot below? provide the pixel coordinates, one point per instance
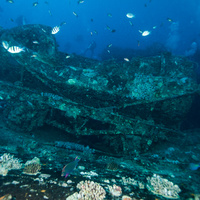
(128, 105)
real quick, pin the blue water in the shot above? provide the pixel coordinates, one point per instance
(176, 36)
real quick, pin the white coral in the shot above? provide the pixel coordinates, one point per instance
(90, 190)
(163, 187)
(8, 162)
(115, 190)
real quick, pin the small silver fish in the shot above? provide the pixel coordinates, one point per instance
(108, 27)
(35, 4)
(50, 12)
(5, 44)
(131, 23)
(43, 30)
(95, 31)
(75, 14)
(15, 49)
(34, 56)
(144, 33)
(130, 15)
(55, 30)
(35, 42)
(169, 19)
(80, 1)
(126, 59)
(10, 1)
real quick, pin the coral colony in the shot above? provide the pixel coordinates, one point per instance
(8, 162)
(89, 190)
(163, 187)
